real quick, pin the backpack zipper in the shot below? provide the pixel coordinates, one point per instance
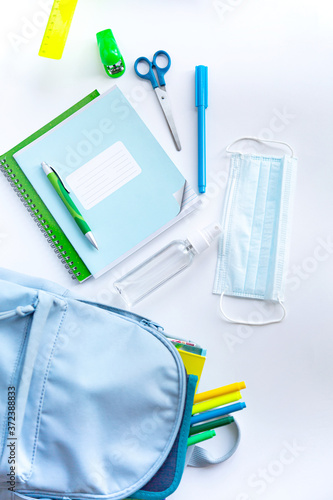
(152, 324)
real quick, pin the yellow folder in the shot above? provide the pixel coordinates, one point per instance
(193, 363)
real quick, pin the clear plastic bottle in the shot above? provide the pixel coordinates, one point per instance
(158, 269)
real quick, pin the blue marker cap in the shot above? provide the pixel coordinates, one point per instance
(201, 86)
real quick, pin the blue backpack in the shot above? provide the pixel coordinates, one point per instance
(95, 401)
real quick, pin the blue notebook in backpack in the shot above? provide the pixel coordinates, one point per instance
(99, 399)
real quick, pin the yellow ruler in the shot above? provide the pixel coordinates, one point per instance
(57, 29)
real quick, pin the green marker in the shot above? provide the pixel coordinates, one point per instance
(63, 193)
(195, 429)
(198, 438)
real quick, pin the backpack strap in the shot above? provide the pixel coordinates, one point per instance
(199, 457)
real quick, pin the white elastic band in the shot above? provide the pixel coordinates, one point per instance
(252, 323)
(257, 139)
(19, 311)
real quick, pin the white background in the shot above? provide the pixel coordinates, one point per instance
(270, 74)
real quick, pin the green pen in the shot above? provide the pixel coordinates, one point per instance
(63, 193)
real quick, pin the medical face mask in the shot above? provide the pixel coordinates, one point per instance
(256, 225)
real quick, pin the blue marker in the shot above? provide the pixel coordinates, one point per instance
(201, 102)
(219, 412)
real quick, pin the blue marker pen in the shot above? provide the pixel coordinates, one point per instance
(219, 412)
(201, 102)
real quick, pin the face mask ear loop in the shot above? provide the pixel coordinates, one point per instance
(251, 323)
(257, 139)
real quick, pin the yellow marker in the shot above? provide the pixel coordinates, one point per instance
(220, 391)
(215, 402)
(57, 29)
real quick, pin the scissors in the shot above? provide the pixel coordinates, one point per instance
(159, 88)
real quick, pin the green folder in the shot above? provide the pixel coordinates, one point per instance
(34, 204)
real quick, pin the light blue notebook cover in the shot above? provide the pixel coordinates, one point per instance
(120, 178)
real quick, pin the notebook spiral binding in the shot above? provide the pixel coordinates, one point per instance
(38, 217)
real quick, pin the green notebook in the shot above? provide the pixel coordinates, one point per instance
(58, 241)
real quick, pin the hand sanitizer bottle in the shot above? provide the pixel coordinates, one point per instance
(158, 269)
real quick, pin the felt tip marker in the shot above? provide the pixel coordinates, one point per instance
(201, 102)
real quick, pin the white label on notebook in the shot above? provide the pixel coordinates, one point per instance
(103, 175)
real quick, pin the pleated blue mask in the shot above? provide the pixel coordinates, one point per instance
(253, 250)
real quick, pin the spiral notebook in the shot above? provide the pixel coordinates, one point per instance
(124, 211)
(35, 205)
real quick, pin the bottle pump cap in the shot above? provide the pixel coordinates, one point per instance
(201, 239)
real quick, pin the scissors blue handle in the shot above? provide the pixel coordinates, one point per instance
(151, 65)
